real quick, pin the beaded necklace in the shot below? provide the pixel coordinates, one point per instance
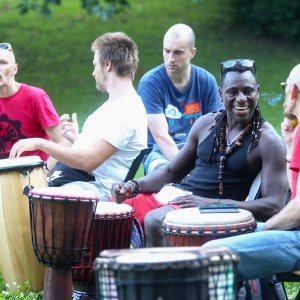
(227, 151)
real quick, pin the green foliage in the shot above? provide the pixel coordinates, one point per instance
(276, 19)
(104, 9)
(21, 292)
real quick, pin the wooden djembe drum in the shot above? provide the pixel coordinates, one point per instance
(61, 220)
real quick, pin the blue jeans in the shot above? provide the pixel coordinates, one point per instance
(263, 253)
(155, 159)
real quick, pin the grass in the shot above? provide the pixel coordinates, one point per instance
(54, 52)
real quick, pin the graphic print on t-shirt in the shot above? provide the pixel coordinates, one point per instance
(10, 133)
(191, 112)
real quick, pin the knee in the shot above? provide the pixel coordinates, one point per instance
(152, 224)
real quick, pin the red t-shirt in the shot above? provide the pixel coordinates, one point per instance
(295, 164)
(25, 114)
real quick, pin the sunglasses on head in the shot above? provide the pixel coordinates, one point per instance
(230, 64)
(6, 46)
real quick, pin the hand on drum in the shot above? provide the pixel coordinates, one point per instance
(187, 201)
(24, 145)
(121, 191)
(69, 130)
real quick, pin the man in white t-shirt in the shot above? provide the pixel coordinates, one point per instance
(116, 132)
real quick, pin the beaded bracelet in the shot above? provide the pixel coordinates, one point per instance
(136, 187)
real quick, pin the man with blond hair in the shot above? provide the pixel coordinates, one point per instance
(113, 136)
(175, 94)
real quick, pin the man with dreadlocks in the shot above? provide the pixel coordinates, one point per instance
(224, 153)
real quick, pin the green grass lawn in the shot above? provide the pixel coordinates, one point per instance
(54, 53)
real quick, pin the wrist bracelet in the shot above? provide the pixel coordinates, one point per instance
(136, 187)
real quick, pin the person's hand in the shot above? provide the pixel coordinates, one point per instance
(24, 145)
(288, 131)
(121, 191)
(69, 130)
(186, 201)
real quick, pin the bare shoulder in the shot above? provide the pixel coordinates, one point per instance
(203, 124)
(207, 120)
(270, 140)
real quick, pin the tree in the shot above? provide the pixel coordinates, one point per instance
(104, 9)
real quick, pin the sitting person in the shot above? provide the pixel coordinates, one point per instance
(116, 132)
(25, 111)
(223, 154)
(276, 249)
(175, 94)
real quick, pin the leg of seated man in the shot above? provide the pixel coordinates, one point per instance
(154, 160)
(153, 221)
(263, 253)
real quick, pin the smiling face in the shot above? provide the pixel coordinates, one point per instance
(240, 94)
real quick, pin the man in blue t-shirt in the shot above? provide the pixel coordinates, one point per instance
(175, 94)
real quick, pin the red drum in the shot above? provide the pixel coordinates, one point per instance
(190, 227)
(61, 222)
(185, 273)
(111, 230)
(18, 262)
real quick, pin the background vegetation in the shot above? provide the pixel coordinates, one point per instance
(54, 52)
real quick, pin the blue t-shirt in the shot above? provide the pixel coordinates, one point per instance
(181, 109)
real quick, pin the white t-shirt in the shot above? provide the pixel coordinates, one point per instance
(122, 123)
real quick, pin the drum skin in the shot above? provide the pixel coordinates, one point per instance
(18, 262)
(190, 227)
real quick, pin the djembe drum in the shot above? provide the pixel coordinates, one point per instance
(177, 273)
(61, 221)
(18, 262)
(190, 227)
(111, 229)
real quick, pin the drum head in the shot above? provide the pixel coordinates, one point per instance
(62, 193)
(193, 217)
(20, 163)
(112, 208)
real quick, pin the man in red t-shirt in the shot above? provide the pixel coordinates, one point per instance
(291, 133)
(25, 111)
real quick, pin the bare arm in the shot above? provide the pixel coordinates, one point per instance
(274, 186)
(158, 127)
(288, 217)
(174, 171)
(86, 155)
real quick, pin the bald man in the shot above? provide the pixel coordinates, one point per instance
(175, 94)
(276, 249)
(25, 111)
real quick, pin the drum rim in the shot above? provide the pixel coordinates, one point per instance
(23, 166)
(221, 229)
(70, 198)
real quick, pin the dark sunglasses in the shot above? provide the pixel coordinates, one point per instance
(229, 65)
(5, 46)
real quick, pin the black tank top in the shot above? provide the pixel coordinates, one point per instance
(238, 175)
